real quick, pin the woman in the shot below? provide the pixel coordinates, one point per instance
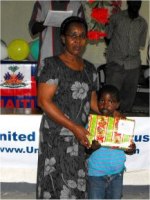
(66, 92)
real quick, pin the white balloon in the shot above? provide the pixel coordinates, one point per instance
(3, 50)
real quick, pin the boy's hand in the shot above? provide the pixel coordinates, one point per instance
(131, 150)
(95, 145)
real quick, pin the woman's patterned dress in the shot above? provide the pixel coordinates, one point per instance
(61, 162)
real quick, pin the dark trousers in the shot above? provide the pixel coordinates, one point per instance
(126, 81)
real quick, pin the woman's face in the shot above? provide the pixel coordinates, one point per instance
(107, 104)
(75, 39)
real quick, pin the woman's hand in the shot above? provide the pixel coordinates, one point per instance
(38, 27)
(81, 134)
(131, 150)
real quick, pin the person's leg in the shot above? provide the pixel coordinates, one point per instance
(115, 186)
(114, 74)
(129, 88)
(96, 187)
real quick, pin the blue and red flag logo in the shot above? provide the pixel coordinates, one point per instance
(18, 85)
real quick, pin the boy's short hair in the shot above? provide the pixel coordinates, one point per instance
(111, 89)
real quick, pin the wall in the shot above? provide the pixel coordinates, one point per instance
(15, 16)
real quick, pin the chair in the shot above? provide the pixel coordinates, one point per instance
(101, 74)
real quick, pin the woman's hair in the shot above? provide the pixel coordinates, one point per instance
(71, 20)
(110, 89)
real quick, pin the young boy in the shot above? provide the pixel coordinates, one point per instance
(106, 165)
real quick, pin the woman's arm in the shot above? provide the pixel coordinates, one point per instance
(46, 93)
(94, 102)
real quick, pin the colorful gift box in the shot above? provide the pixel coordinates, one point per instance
(110, 131)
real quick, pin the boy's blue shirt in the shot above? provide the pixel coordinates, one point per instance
(106, 161)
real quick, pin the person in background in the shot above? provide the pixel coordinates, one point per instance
(126, 34)
(50, 43)
(66, 92)
(106, 165)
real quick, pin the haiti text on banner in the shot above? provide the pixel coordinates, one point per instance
(18, 84)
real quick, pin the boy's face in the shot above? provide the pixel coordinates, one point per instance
(107, 104)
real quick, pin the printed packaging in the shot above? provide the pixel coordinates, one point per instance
(111, 132)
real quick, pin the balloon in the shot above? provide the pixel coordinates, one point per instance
(18, 49)
(34, 49)
(4, 52)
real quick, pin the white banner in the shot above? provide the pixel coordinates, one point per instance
(19, 138)
(140, 160)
